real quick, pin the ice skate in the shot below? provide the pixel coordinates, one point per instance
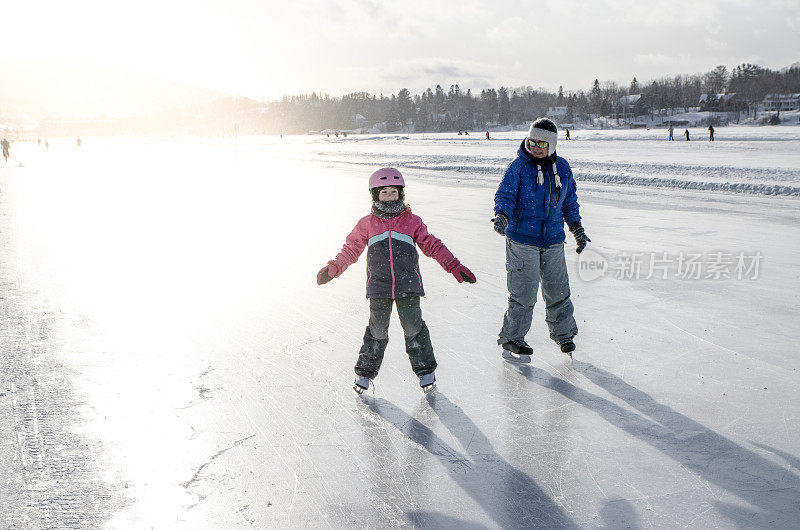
(517, 351)
(567, 347)
(427, 382)
(360, 384)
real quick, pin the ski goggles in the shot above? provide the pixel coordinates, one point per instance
(541, 144)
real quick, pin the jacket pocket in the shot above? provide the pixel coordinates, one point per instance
(515, 275)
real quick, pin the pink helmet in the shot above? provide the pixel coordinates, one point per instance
(386, 176)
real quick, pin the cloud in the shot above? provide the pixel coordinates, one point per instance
(793, 22)
(427, 72)
(479, 83)
(513, 30)
(272, 47)
(660, 59)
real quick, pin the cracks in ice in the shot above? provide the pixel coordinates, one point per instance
(460, 466)
(50, 466)
(762, 364)
(710, 456)
(196, 477)
(203, 391)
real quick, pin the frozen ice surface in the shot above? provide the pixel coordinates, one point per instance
(167, 359)
(758, 160)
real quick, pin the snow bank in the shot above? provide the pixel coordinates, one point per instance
(749, 160)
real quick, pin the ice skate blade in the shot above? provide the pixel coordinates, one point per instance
(358, 390)
(427, 389)
(516, 359)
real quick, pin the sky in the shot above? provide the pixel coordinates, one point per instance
(267, 48)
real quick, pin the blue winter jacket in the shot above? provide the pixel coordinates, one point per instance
(536, 213)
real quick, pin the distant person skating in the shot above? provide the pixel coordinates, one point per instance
(78, 142)
(710, 133)
(391, 234)
(46, 145)
(6, 146)
(487, 134)
(671, 131)
(566, 129)
(686, 134)
(536, 197)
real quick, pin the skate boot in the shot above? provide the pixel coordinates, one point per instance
(361, 383)
(567, 347)
(427, 382)
(517, 351)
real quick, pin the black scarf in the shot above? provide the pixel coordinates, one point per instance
(388, 209)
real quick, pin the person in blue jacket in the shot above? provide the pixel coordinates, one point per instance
(535, 198)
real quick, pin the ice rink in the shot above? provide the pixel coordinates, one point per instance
(167, 359)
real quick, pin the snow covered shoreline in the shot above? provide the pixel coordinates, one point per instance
(740, 160)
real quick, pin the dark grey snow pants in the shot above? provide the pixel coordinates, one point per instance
(418, 340)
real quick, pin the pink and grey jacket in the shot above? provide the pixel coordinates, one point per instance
(392, 258)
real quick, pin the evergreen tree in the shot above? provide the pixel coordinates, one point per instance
(405, 108)
(503, 107)
(570, 108)
(469, 111)
(439, 106)
(746, 82)
(489, 104)
(392, 118)
(715, 81)
(595, 97)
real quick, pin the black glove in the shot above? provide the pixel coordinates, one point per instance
(500, 223)
(580, 236)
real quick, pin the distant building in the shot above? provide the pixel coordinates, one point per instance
(359, 121)
(631, 106)
(718, 102)
(781, 102)
(556, 112)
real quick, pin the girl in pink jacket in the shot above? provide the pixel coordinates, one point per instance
(391, 233)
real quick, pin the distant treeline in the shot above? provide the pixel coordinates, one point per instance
(455, 109)
(438, 109)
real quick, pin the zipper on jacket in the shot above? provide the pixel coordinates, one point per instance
(391, 261)
(550, 183)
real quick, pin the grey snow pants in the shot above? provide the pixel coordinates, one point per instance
(527, 266)
(376, 337)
